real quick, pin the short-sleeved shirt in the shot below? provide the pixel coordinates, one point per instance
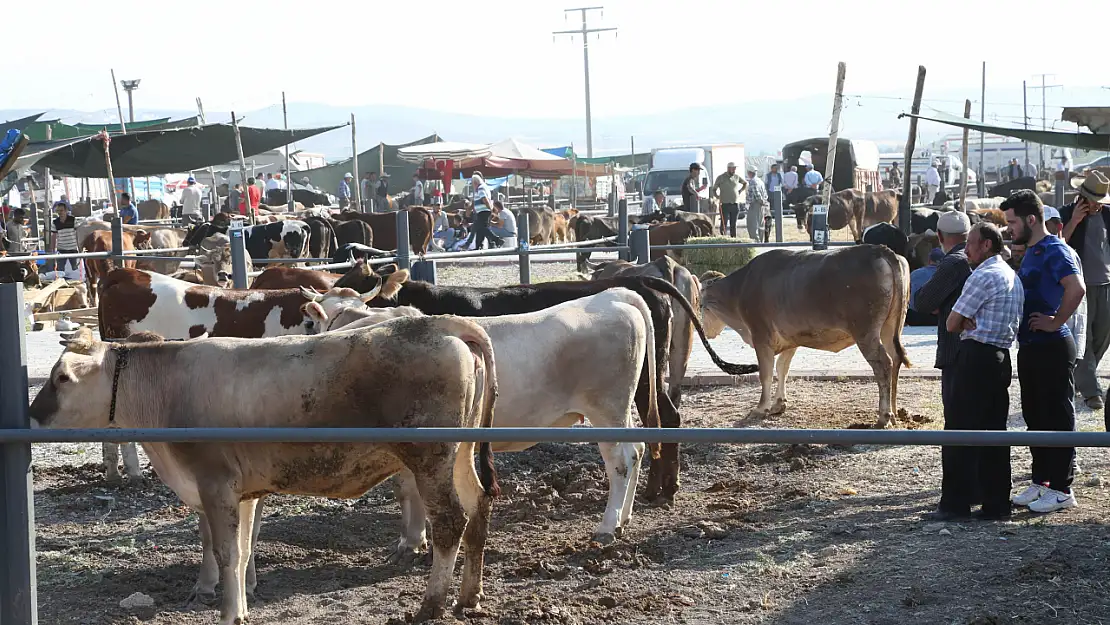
(508, 220)
(1096, 253)
(813, 178)
(481, 192)
(129, 212)
(994, 297)
(1043, 267)
(690, 194)
(918, 278)
(65, 233)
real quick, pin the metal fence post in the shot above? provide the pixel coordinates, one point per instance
(524, 238)
(612, 202)
(117, 240)
(819, 221)
(403, 245)
(238, 258)
(622, 228)
(424, 271)
(776, 211)
(18, 591)
(641, 248)
(1062, 179)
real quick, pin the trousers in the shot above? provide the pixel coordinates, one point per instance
(754, 221)
(730, 213)
(1047, 403)
(1098, 340)
(980, 400)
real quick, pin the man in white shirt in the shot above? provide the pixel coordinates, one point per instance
(503, 222)
(417, 190)
(790, 180)
(271, 183)
(190, 202)
(932, 182)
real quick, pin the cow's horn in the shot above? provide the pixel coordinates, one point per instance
(312, 294)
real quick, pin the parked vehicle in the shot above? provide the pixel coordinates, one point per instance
(670, 166)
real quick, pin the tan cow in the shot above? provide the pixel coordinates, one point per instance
(101, 241)
(348, 379)
(783, 300)
(855, 209)
(682, 326)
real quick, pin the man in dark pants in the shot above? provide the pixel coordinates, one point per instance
(1087, 224)
(941, 292)
(987, 315)
(1046, 356)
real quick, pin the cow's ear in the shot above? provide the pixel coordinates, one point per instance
(80, 342)
(371, 294)
(393, 283)
(386, 270)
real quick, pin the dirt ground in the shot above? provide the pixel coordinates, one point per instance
(759, 534)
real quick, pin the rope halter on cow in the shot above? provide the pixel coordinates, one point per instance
(122, 355)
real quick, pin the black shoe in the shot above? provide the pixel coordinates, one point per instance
(948, 515)
(993, 515)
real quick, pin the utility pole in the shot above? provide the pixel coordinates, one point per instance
(585, 31)
(1044, 108)
(981, 186)
(1025, 121)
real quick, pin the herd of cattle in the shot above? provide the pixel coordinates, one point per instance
(373, 348)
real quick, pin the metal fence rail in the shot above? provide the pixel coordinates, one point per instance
(732, 436)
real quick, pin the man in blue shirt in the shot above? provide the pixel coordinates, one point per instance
(343, 193)
(127, 212)
(918, 278)
(813, 178)
(1046, 356)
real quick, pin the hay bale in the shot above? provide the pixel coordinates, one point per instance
(724, 260)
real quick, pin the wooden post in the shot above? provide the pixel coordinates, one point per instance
(573, 178)
(963, 158)
(213, 193)
(381, 160)
(288, 167)
(108, 164)
(242, 167)
(911, 143)
(830, 157)
(356, 192)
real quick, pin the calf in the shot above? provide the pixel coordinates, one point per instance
(361, 277)
(672, 233)
(857, 210)
(101, 241)
(349, 379)
(384, 227)
(541, 387)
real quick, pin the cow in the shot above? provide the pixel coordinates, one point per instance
(350, 379)
(796, 201)
(888, 235)
(559, 229)
(856, 210)
(322, 241)
(1048, 198)
(101, 241)
(923, 219)
(974, 204)
(663, 478)
(918, 247)
(541, 224)
(588, 228)
(782, 300)
(672, 233)
(682, 327)
(152, 209)
(384, 226)
(540, 386)
(283, 239)
(356, 232)
(360, 277)
(219, 224)
(23, 271)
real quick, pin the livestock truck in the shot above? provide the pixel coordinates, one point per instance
(670, 166)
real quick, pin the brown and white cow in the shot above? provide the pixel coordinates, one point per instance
(783, 300)
(855, 209)
(540, 385)
(348, 379)
(101, 241)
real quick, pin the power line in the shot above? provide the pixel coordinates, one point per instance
(585, 31)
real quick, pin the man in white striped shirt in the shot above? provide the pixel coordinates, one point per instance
(64, 229)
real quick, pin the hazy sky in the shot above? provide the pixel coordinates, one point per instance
(666, 55)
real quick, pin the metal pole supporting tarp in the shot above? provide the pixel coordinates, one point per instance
(18, 591)
(403, 245)
(238, 258)
(524, 237)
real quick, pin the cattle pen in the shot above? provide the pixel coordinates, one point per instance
(18, 589)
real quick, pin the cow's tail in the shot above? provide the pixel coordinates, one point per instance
(651, 419)
(899, 303)
(667, 288)
(474, 335)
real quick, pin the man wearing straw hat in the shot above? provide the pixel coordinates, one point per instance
(1085, 229)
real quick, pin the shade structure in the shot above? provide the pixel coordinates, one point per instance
(1080, 140)
(443, 150)
(399, 170)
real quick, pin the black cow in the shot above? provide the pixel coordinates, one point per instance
(888, 235)
(1006, 188)
(354, 231)
(280, 239)
(796, 201)
(18, 271)
(357, 251)
(587, 228)
(922, 219)
(322, 241)
(308, 199)
(491, 302)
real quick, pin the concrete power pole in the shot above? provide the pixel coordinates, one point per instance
(1044, 108)
(585, 31)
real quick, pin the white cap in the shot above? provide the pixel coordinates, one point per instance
(954, 222)
(1051, 213)
(731, 165)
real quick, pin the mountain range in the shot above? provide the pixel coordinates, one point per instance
(763, 126)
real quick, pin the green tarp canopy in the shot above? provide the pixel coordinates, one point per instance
(621, 160)
(157, 152)
(1077, 140)
(58, 130)
(327, 178)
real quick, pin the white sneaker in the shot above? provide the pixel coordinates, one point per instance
(1053, 500)
(1029, 495)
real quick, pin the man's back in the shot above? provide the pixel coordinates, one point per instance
(190, 200)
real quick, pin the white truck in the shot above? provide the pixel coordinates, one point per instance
(950, 167)
(670, 166)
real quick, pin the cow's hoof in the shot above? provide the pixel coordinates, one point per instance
(605, 538)
(428, 613)
(469, 603)
(885, 421)
(113, 477)
(201, 599)
(778, 407)
(756, 413)
(406, 555)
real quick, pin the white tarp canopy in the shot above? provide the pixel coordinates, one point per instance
(444, 150)
(511, 148)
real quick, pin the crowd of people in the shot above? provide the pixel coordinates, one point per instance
(1053, 299)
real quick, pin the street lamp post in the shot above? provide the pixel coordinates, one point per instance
(130, 86)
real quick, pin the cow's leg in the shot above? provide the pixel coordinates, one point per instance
(204, 591)
(222, 511)
(413, 515)
(478, 507)
(111, 461)
(765, 356)
(881, 364)
(782, 370)
(246, 533)
(131, 461)
(434, 473)
(252, 573)
(619, 460)
(633, 479)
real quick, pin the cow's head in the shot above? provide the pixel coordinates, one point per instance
(79, 390)
(338, 299)
(712, 323)
(214, 260)
(363, 278)
(315, 319)
(141, 239)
